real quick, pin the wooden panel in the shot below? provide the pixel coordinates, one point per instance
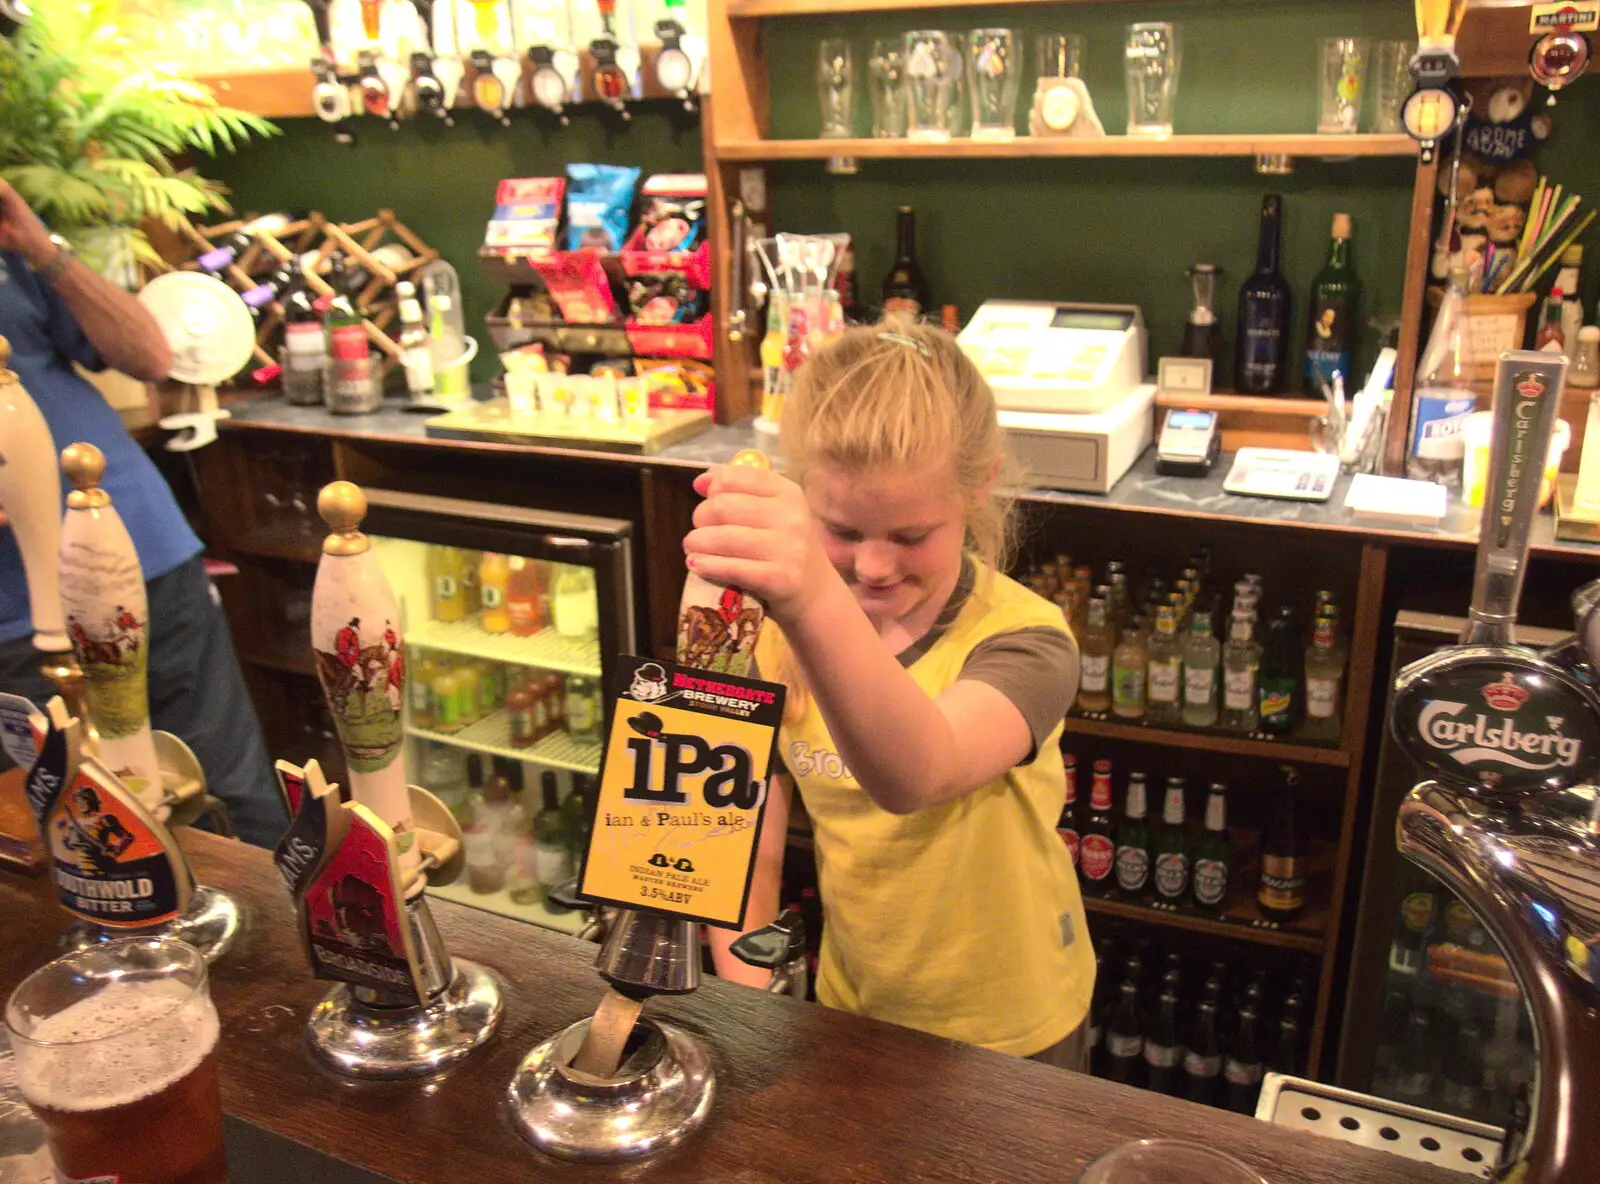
(1418, 249)
(276, 94)
(753, 8)
(735, 147)
(1275, 750)
(805, 1094)
(669, 502)
(1307, 935)
(738, 100)
(1494, 40)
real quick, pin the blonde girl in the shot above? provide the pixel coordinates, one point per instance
(926, 693)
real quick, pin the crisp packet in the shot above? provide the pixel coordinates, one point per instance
(599, 198)
(526, 213)
(673, 217)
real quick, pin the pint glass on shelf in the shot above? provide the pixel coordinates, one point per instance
(116, 1051)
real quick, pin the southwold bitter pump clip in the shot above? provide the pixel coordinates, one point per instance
(358, 869)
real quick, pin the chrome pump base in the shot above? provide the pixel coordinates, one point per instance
(210, 924)
(362, 1040)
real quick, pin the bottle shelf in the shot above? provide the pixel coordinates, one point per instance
(500, 902)
(1242, 922)
(1207, 741)
(545, 649)
(1222, 144)
(290, 653)
(492, 734)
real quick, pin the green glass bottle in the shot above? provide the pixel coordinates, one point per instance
(552, 857)
(1170, 854)
(1133, 841)
(1278, 690)
(1213, 854)
(1330, 325)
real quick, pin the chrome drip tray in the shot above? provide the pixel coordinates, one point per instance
(1427, 1136)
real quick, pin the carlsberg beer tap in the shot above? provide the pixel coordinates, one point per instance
(107, 619)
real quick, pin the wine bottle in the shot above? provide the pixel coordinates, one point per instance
(905, 291)
(1262, 344)
(1330, 325)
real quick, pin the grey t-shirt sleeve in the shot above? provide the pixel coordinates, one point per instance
(1036, 668)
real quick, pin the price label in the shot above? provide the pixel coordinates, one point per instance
(683, 788)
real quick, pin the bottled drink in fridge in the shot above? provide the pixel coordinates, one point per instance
(1213, 855)
(1163, 1053)
(575, 813)
(1282, 892)
(1125, 1037)
(1097, 851)
(1331, 318)
(1094, 658)
(1324, 680)
(1260, 361)
(1128, 662)
(494, 574)
(1202, 1057)
(905, 291)
(573, 604)
(1133, 841)
(1241, 666)
(1460, 1091)
(446, 569)
(480, 838)
(1414, 1076)
(1164, 670)
(1278, 684)
(1200, 660)
(525, 730)
(1241, 1070)
(1067, 824)
(553, 848)
(1170, 853)
(524, 596)
(585, 712)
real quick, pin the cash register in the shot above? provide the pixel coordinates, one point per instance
(1068, 379)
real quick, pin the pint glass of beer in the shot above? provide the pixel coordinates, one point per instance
(116, 1051)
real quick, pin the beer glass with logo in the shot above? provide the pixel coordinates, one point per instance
(116, 1052)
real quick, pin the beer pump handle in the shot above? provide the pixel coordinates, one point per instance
(1527, 396)
(107, 615)
(360, 660)
(648, 953)
(30, 493)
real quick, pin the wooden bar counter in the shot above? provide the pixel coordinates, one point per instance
(805, 1094)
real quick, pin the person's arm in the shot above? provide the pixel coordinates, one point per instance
(121, 330)
(765, 887)
(906, 750)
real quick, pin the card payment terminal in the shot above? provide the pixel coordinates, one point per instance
(1189, 443)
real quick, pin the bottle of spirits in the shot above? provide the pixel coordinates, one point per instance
(1133, 841)
(1200, 660)
(1241, 663)
(1550, 337)
(1278, 685)
(1096, 851)
(1242, 1069)
(1260, 361)
(1571, 302)
(905, 291)
(305, 341)
(1202, 1059)
(1324, 677)
(1444, 394)
(1164, 670)
(1067, 824)
(1213, 855)
(1094, 659)
(353, 387)
(1125, 1037)
(1331, 319)
(552, 850)
(1202, 336)
(415, 353)
(1171, 850)
(1128, 672)
(575, 813)
(1163, 1053)
(1282, 891)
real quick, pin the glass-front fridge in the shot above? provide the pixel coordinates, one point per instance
(1433, 1016)
(511, 619)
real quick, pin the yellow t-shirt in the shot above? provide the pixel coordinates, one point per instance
(962, 919)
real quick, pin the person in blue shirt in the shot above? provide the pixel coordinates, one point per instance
(54, 312)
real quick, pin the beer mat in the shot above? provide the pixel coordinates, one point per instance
(24, 1158)
(1396, 499)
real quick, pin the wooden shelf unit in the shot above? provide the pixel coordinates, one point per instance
(1205, 741)
(1028, 147)
(1240, 923)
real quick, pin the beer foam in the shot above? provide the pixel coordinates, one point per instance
(165, 1028)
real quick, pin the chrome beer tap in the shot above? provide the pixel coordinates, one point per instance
(1510, 817)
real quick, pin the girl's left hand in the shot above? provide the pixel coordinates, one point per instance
(755, 530)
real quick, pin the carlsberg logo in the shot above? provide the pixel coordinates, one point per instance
(1479, 739)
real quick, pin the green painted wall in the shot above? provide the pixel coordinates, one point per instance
(1116, 230)
(441, 181)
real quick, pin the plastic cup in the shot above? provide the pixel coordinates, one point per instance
(1164, 1161)
(1475, 469)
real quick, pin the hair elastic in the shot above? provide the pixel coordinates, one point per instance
(902, 339)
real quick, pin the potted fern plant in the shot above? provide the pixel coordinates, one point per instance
(91, 122)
